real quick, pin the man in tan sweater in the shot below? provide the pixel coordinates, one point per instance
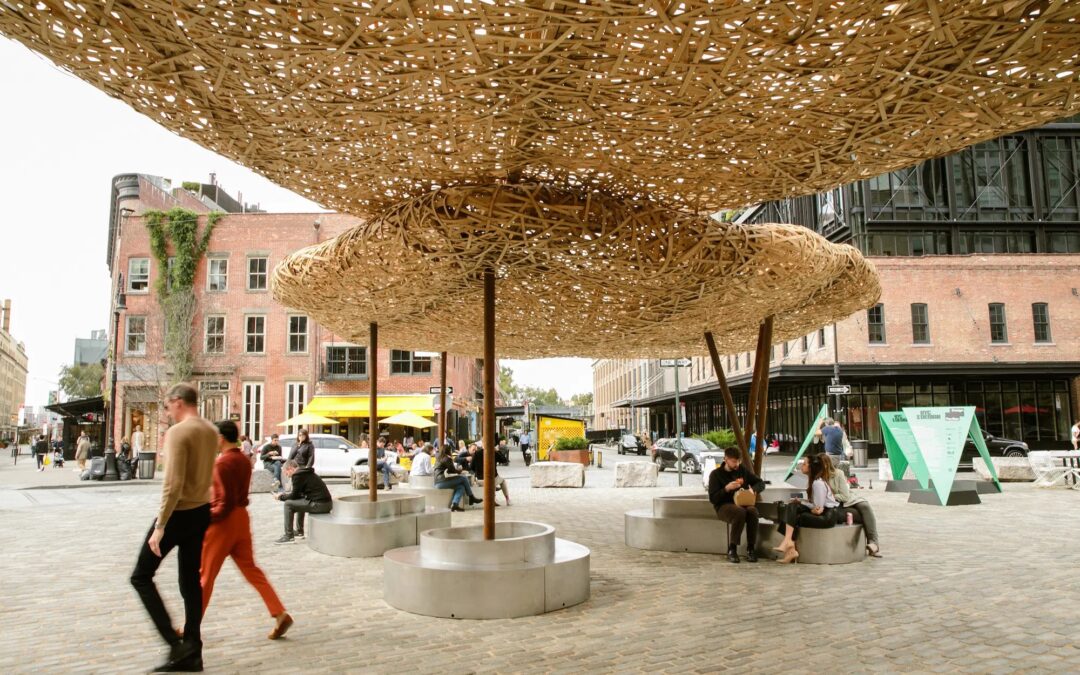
(182, 519)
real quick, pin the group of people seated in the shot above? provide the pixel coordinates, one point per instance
(828, 501)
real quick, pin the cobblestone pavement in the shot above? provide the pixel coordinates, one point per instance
(987, 588)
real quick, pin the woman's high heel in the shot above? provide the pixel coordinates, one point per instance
(791, 556)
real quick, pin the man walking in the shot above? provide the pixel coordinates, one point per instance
(309, 495)
(190, 446)
(41, 449)
(724, 482)
(82, 451)
(229, 534)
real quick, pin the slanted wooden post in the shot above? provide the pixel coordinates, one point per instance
(729, 403)
(755, 390)
(489, 404)
(373, 410)
(763, 394)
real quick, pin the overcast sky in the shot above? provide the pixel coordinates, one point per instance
(62, 142)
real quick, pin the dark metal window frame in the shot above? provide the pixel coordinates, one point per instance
(350, 357)
(407, 363)
(875, 324)
(999, 325)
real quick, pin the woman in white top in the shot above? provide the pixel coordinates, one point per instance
(818, 512)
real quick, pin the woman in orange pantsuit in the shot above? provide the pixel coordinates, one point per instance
(229, 534)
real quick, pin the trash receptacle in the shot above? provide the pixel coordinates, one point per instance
(147, 465)
(862, 451)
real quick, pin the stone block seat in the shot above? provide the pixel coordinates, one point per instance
(455, 573)
(636, 474)
(359, 476)
(556, 474)
(425, 485)
(688, 523)
(359, 528)
(261, 481)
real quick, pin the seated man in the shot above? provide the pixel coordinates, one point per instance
(272, 459)
(725, 480)
(421, 462)
(309, 495)
(477, 468)
(386, 458)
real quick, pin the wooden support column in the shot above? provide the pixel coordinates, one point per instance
(763, 394)
(729, 403)
(373, 410)
(489, 404)
(755, 385)
(440, 438)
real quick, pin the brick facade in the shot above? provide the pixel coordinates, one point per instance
(238, 238)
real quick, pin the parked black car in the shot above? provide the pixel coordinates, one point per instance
(998, 447)
(664, 453)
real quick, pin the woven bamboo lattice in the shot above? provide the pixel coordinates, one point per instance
(692, 105)
(577, 275)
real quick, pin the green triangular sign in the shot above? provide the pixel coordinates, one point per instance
(940, 434)
(975, 434)
(822, 414)
(902, 448)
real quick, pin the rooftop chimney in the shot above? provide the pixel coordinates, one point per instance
(7, 316)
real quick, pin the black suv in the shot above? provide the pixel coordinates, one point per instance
(664, 453)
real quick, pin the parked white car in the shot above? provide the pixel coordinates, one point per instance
(334, 455)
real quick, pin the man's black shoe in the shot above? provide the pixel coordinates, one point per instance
(184, 657)
(733, 555)
(474, 500)
(751, 555)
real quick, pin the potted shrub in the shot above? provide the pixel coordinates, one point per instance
(571, 449)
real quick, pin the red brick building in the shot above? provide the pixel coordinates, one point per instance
(254, 359)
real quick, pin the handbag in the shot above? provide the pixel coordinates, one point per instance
(849, 452)
(745, 497)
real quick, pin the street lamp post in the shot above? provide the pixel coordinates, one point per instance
(112, 471)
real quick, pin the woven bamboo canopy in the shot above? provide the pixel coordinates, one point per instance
(577, 275)
(691, 105)
(573, 147)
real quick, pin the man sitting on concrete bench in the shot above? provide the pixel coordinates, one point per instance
(309, 495)
(421, 462)
(725, 480)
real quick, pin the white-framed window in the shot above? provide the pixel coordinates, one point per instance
(135, 342)
(217, 274)
(252, 415)
(295, 396)
(298, 334)
(346, 361)
(256, 276)
(255, 334)
(138, 280)
(215, 334)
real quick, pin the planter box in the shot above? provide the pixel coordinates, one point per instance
(578, 456)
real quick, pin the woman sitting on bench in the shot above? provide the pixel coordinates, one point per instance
(855, 505)
(448, 476)
(819, 511)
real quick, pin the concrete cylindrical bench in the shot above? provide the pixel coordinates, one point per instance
(835, 545)
(425, 485)
(359, 476)
(455, 573)
(360, 528)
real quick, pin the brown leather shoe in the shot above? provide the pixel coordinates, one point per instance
(284, 621)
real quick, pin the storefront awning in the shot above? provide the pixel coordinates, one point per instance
(357, 406)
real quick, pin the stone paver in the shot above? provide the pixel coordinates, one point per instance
(987, 588)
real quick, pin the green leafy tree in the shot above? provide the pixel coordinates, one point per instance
(510, 391)
(581, 400)
(82, 381)
(538, 396)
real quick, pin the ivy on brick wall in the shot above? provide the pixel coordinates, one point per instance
(175, 286)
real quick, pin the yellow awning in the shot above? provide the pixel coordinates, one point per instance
(357, 406)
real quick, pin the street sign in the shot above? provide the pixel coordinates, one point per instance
(436, 390)
(839, 389)
(675, 363)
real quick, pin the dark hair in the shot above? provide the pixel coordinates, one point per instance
(817, 469)
(732, 452)
(228, 430)
(185, 393)
(273, 437)
(306, 436)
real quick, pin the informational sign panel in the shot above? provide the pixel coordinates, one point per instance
(901, 447)
(940, 434)
(822, 414)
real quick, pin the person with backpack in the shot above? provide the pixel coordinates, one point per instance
(859, 509)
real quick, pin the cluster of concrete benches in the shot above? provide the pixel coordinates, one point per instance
(688, 523)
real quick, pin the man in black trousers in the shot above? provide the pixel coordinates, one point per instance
(724, 482)
(190, 449)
